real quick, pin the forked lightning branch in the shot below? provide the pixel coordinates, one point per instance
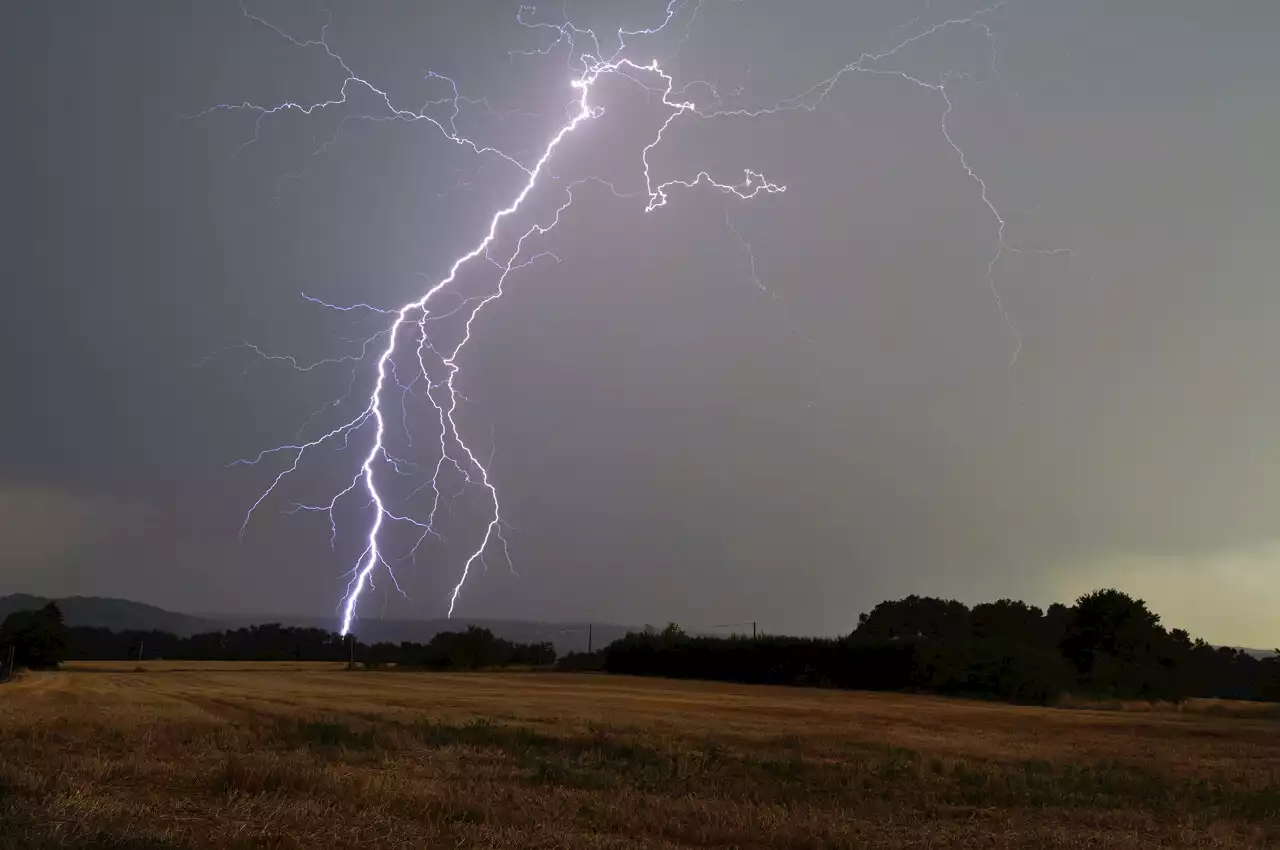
(404, 353)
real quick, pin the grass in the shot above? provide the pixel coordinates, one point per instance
(289, 755)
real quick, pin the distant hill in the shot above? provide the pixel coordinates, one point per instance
(115, 614)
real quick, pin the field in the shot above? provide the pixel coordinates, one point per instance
(296, 755)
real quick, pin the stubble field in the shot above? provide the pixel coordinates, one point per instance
(281, 755)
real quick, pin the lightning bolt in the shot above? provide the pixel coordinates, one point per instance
(409, 328)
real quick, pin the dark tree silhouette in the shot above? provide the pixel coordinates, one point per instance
(1007, 620)
(476, 648)
(1108, 644)
(1118, 647)
(38, 638)
(916, 617)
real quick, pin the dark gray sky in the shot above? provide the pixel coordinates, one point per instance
(670, 441)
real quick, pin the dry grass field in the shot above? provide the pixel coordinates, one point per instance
(297, 755)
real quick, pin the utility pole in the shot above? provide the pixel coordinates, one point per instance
(753, 629)
(351, 664)
(589, 636)
(141, 644)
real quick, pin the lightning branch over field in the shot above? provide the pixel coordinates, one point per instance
(409, 331)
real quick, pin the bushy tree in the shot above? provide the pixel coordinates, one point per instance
(1005, 669)
(38, 638)
(915, 617)
(1118, 647)
(1007, 620)
(476, 648)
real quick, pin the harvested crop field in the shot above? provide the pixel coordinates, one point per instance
(299, 755)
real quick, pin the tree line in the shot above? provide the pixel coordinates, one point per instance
(1106, 645)
(41, 640)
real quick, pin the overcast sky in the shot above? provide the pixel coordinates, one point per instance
(676, 433)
